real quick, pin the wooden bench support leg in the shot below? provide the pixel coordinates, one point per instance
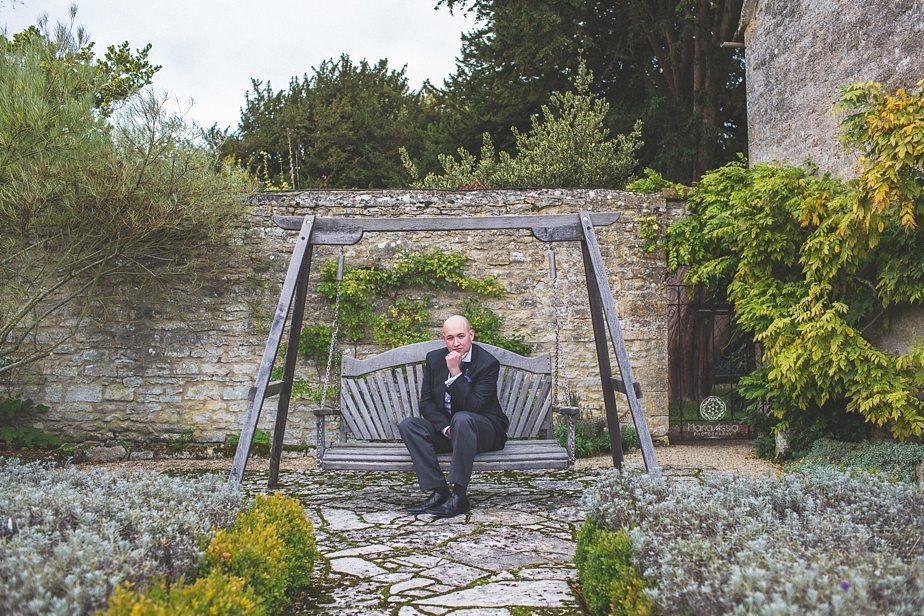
(571, 414)
(288, 372)
(269, 352)
(603, 297)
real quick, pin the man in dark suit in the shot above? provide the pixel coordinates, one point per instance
(460, 413)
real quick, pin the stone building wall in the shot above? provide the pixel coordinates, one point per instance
(799, 52)
(178, 363)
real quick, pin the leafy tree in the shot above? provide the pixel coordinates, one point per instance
(570, 146)
(340, 127)
(97, 180)
(658, 61)
(811, 263)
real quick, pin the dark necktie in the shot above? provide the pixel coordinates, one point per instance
(464, 368)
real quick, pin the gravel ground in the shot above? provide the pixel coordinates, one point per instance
(732, 456)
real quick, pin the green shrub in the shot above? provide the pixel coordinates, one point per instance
(271, 545)
(256, 554)
(294, 528)
(215, 594)
(652, 181)
(630, 439)
(259, 446)
(896, 461)
(253, 567)
(97, 528)
(13, 413)
(765, 447)
(592, 437)
(610, 581)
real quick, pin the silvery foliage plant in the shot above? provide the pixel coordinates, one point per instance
(71, 535)
(817, 541)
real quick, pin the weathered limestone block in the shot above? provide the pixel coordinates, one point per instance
(106, 454)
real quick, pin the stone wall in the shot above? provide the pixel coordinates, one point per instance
(178, 364)
(799, 52)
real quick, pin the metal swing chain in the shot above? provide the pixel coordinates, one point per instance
(335, 332)
(556, 378)
(553, 275)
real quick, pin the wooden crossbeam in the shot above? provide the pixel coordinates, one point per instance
(348, 231)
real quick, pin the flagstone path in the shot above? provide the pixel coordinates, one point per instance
(512, 554)
(513, 551)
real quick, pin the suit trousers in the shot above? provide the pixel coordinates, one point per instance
(470, 433)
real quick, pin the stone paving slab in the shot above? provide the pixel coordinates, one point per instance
(512, 554)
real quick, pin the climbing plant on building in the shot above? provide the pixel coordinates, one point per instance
(812, 264)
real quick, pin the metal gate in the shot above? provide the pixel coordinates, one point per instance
(705, 361)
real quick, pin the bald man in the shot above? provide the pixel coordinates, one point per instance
(460, 413)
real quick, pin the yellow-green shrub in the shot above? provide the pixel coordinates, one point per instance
(295, 530)
(250, 568)
(217, 593)
(611, 582)
(256, 554)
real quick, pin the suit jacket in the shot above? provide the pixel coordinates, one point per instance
(474, 391)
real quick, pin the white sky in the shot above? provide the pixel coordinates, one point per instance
(209, 49)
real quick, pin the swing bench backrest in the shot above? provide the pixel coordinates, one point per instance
(378, 392)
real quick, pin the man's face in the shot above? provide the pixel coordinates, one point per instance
(458, 336)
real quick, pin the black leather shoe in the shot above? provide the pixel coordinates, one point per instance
(436, 499)
(453, 506)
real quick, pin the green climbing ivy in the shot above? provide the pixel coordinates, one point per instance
(811, 263)
(389, 305)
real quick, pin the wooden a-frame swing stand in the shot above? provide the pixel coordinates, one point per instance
(317, 231)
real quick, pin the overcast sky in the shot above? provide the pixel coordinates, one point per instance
(209, 49)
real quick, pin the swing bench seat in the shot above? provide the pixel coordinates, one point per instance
(378, 392)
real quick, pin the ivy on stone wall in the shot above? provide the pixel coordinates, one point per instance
(811, 263)
(389, 305)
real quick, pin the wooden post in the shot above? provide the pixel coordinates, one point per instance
(288, 374)
(603, 358)
(605, 296)
(296, 264)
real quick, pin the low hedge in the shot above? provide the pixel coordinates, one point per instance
(813, 541)
(607, 574)
(253, 567)
(896, 461)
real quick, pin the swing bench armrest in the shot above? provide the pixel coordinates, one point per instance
(571, 414)
(320, 414)
(571, 411)
(326, 411)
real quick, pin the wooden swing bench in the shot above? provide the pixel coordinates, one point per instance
(378, 392)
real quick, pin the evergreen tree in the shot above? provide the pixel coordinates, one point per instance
(340, 127)
(657, 61)
(570, 146)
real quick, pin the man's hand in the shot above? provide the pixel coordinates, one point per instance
(454, 363)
